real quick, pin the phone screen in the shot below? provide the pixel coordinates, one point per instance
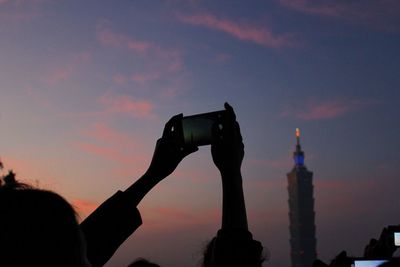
(368, 263)
(197, 129)
(397, 239)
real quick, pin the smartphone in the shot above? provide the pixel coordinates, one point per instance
(367, 263)
(396, 236)
(197, 129)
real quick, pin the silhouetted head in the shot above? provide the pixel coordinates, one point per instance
(37, 228)
(250, 253)
(143, 263)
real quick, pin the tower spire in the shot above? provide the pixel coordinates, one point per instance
(298, 154)
(298, 136)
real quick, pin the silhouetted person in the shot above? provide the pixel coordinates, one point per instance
(233, 246)
(117, 218)
(381, 249)
(38, 228)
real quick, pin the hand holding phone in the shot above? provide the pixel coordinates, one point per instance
(169, 150)
(227, 149)
(197, 130)
(394, 232)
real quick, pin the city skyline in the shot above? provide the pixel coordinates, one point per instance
(87, 86)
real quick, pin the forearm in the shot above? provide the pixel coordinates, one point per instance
(233, 205)
(108, 227)
(136, 192)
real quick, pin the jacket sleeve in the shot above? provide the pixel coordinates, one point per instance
(108, 227)
(236, 248)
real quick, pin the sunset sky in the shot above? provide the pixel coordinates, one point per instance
(87, 86)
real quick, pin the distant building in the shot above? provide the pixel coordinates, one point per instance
(303, 242)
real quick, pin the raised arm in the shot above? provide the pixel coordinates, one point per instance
(117, 218)
(234, 244)
(228, 152)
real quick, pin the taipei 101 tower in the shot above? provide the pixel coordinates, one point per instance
(303, 242)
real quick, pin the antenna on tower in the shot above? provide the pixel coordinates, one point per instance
(298, 136)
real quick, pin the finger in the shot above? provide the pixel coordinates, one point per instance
(229, 120)
(170, 126)
(216, 132)
(230, 111)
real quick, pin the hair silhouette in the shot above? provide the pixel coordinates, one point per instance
(38, 228)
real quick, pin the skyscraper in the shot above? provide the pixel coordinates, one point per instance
(303, 242)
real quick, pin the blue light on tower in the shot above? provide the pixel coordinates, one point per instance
(299, 160)
(298, 155)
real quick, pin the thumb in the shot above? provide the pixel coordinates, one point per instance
(170, 126)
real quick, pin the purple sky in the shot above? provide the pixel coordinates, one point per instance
(87, 86)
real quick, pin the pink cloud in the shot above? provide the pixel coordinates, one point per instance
(115, 104)
(347, 197)
(195, 177)
(112, 145)
(167, 218)
(109, 38)
(119, 79)
(125, 104)
(106, 152)
(158, 62)
(255, 34)
(382, 15)
(39, 98)
(84, 207)
(330, 8)
(145, 77)
(175, 213)
(326, 109)
(21, 10)
(170, 58)
(175, 87)
(63, 73)
(223, 57)
(104, 133)
(32, 171)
